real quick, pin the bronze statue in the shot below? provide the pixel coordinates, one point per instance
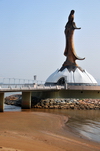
(69, 48)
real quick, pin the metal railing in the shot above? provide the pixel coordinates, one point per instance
(18, 81)
(10, 84)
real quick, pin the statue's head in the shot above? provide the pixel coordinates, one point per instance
(72, 12)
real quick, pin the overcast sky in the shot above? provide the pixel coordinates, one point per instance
(32, 39)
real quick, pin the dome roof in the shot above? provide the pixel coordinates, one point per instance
(76, 77)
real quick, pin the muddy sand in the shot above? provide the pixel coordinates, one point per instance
(36, 131)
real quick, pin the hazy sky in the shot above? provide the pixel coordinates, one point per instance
(32, 39)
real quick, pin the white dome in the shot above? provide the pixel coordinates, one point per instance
(72, 77)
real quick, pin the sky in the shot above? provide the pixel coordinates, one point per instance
(32, 39)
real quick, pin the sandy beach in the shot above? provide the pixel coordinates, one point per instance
(36, 131)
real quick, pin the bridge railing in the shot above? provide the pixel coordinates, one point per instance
(17, 81)
(27, 86)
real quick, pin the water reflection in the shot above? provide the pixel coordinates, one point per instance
(87, 123)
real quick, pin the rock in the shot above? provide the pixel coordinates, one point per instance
(72, 106)
(14, 99)
(96, 107)
(51, 107)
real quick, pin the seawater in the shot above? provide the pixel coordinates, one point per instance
(83, 122)
(8, 108)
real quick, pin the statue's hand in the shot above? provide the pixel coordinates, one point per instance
(74, 26)
(77, 28)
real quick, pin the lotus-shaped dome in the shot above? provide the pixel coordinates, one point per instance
(76, 77)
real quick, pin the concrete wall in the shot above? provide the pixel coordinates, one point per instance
(94, 94)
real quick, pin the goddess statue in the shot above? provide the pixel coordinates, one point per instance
(69, 48)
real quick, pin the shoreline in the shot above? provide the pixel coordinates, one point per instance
(39, 131)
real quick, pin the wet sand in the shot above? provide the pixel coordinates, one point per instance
(28, 131)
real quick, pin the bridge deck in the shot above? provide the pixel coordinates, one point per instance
(30, 88)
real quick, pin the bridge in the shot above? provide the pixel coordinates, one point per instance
(43, 92)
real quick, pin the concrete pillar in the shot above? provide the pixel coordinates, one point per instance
(1, 102)
(26, 100)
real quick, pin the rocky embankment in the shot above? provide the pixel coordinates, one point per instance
(84, 104)
(15, 99)
(80, 104)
